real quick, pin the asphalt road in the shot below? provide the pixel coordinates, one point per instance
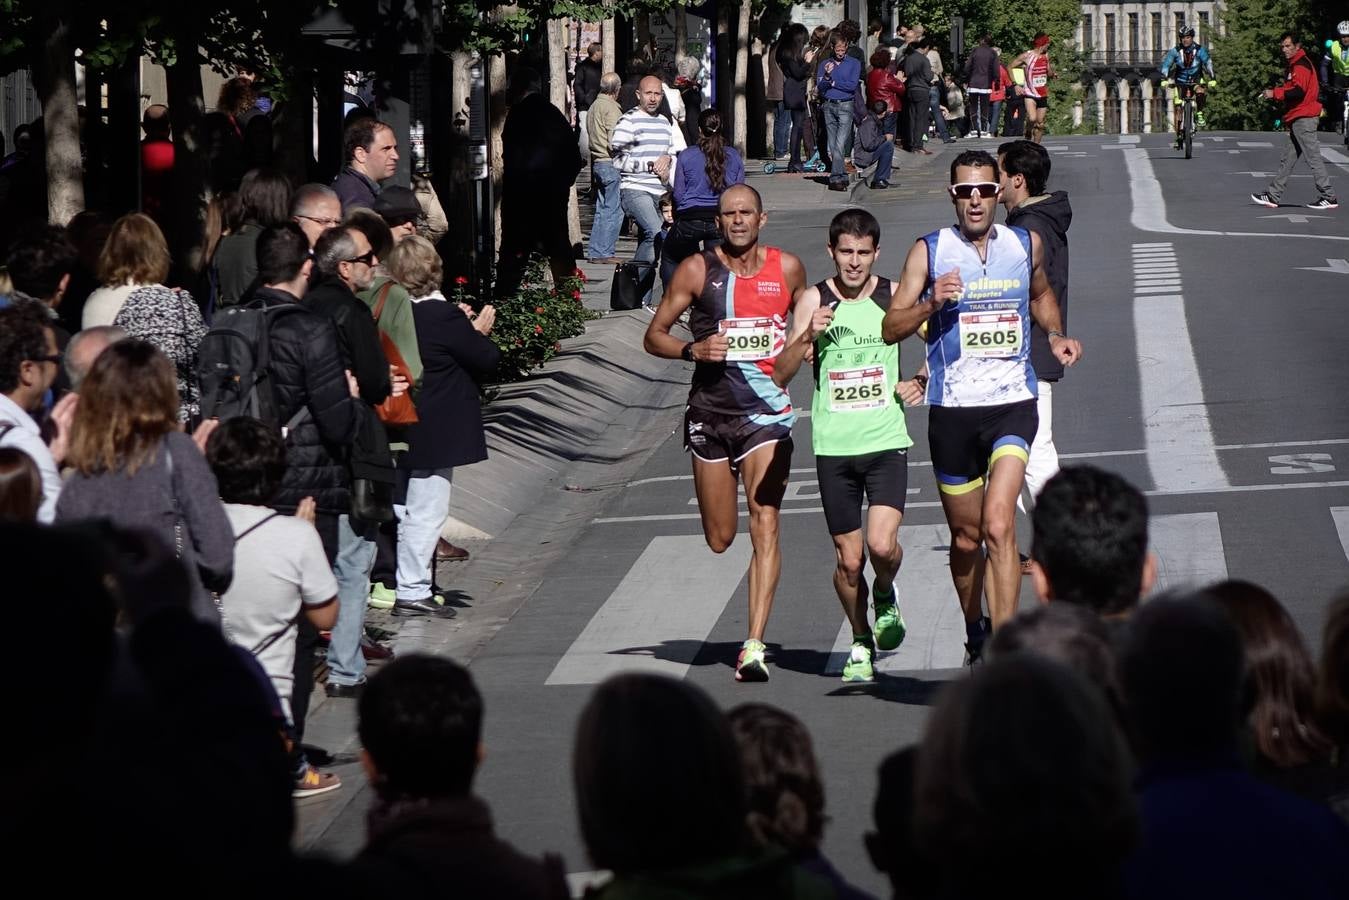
(1213, 377)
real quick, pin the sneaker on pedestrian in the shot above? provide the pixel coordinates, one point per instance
(381, 597)
(751, 665)
(858, 669)
(890, 628)
(1325, 203)
(314, 783)
(976, 635)
(1265, 200)
(838, 185)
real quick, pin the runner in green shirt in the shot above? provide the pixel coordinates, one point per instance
(857, 426)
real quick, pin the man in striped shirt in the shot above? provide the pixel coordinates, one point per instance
(643, 149)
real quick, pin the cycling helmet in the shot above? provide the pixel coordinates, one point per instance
(1343, 28)
(1186, 31)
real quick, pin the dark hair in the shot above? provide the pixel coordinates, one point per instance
(880, 59)
(264, 197)
(1067, 634)
(836, 37)
(980, 159)
(786, 794)
(23, 337)
(1332, 683)
(1029, 160)
(792, 44)
(281, 251)
(713, 144)
(636, 726)
(878, 107)
(525, 80)
(856, 223)
(594, 46)
(248, 458)
(20, 486)
(421, 723)
(1290, 36)
(236, 97)
(1182, 674)
(1090, 536)
(893, 846)
(334, 247)
(1024, 761)
(360, 132)
(39, 259)
(372, 225)
(1279, 674)
(850, 30)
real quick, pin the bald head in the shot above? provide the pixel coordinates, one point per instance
(84, 348)
(738, 194)
(155, 121)
(649, 94)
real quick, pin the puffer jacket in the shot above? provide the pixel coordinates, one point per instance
(306, 368)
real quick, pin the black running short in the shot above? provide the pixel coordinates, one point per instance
(966, 440)
(883, 476)
(1040, 102)
(714, 437)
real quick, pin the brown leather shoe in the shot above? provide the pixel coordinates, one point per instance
(447, 552)
(374, 652)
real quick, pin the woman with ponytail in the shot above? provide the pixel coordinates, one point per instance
(701, 173)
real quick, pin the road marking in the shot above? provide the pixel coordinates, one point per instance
(1253, 143)
(1301, 463)
(1334, 266)
(1189, 550)
(1295, 218)
(1340, 515)
(667, 604)
(1149, 207)
(1334, 156)
(1129, 138)
(927, 598)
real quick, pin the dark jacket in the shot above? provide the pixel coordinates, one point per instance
(1049, 218)
(362, 353)
(917, 71)
(354, 189)
(795, 74)
(236, 265)
(430, 847)
(306, 369)
(981, 69)
(870, 138)
(455, 359)
(586, 84)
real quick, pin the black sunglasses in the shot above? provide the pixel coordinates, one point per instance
(368, 257)
(965, 190)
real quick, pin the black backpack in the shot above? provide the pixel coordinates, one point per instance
(233, 364)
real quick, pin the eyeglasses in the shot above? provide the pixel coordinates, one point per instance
(326, 223)
(368, 257)
(966, 190)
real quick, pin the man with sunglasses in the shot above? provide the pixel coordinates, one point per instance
(29, 363)
(977, 285)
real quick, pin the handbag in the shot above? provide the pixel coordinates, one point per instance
(394, 410)
(632, 281)
(372, 500)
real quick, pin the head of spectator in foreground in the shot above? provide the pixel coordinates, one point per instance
(315, 208)
(1067, 634)
(264, 198)
(1024, 762)
(376, 230)
(134, 253)
(1183, 678)
(20, 486)
(29, 358)
(84, 348)
(786, 793)
(248, 458)
(236, 97)
(1279, 674)
(1090, 541)
(633, 727)
(399, 209)
(41, 262)
(892, 847)
(416, 265)
(1024, 167)
(1332, 682)
(284, 262)
(128, 402)
(421, 729)
(155, 122)
(880, 58)
(344, 253)
(371, 148)
(525, 80)
(611, 83)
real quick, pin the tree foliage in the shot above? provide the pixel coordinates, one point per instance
(1246, 59)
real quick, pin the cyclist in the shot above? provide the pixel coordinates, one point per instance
(1191, 61)
(1335, 65)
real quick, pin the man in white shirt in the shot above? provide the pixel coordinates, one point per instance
(643, 148)
(29, 363)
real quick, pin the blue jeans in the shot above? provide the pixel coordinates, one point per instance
(355, 556)
(420, 520)
(608, 213)
(934, 104)
(838, 125)
(885, 160)
(644, 208)
(782, 124)
(995, 119)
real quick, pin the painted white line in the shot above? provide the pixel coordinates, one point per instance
(1130, 138)
(667, 604)
(1181, 452)
(1335, 156)
(1156, 245)
(1149, 212)
(1165, 289)
(1189, 550)
(1169, 282)
(1254, 144)
(1340, 514)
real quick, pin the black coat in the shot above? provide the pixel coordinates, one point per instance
(455, 359)
(306, 369)
(586, 85)
(795, 74)
(1049, 218)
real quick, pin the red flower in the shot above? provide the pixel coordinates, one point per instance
(539, 310)
(460, 279)
(576, 295)
(581, 275)
(519, 343)
(538, 329)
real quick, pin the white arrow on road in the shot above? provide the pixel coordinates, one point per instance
(1335, 267)
(1296, 218)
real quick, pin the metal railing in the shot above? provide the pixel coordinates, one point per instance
(1131, 59)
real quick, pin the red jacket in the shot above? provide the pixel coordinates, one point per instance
(999, 93)
(881, 85)
(1299, 90)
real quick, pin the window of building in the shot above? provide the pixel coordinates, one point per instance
(1203, 35)
(1134, 45)
(1157, 42)
(1110, 37)
(1088, 38)
(1180, 23)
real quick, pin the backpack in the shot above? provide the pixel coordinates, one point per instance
(233, 364)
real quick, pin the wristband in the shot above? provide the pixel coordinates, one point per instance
(922, 380)
(686, 354)
(1055, 334)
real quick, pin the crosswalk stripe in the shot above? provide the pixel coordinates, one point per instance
(1340, 514)
(1189, 549)
(659, 616)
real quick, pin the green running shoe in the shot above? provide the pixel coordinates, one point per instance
(751, 665)
(381, 597)
(857, 670)
(890, 628)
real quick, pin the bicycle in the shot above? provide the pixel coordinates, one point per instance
(1185, 137)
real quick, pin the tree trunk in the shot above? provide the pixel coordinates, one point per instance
(740, 117)
(496, 81)
(681, 34)
(54, 72)
(610, 48)
(451, 175)
(190, 165)
(643, 25)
